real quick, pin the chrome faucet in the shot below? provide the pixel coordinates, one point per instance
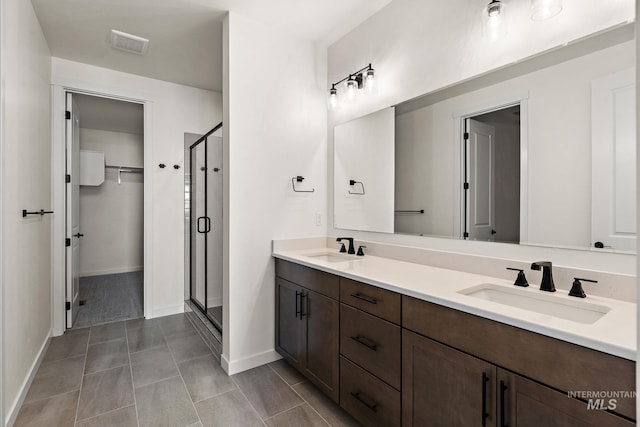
(547, 275)
(351, 250)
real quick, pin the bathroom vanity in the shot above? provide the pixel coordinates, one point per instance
(397, 343)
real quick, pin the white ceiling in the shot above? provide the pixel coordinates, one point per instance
(110, 114)
(185, 35)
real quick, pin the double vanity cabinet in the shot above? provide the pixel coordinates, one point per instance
(390, 359)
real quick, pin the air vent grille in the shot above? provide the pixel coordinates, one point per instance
(129, 42)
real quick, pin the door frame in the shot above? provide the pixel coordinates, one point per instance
(59, 89)
(459, 118)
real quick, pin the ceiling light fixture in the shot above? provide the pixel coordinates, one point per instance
(545, 9)
(363, 78)
(129, 42)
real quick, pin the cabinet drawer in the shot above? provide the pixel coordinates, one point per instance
(316, 280)
(372, 343)
(377, 301)
(366, 398)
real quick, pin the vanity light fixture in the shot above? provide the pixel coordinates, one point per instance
(363, 78)
(494, 9)
(545, 9)
(496, 24)
(333, 98)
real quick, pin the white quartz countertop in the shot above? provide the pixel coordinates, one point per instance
(614, 333)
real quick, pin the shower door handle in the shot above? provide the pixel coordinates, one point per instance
(207, 225)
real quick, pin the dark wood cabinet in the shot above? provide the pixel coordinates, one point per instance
(445, 387)
(525, 403)
(307, 324)
(558, 364)
(321, 318)
(368, 399)
(372, 343)
(289, 327)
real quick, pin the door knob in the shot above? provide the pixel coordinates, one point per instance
(78, 235)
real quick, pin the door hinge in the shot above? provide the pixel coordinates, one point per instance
(67, 178)
(67, 115)
(67, 242)
(465, 235)
(466, 186)
(466, 135)
(67, 305)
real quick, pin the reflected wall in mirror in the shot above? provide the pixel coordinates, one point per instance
(363, 183)
(535, 186)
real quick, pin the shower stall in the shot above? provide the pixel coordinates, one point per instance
(203, 222)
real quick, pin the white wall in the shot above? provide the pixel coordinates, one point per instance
(418, 47)
(276, 129)
(176, 109)
(26, 175)
(111, 214)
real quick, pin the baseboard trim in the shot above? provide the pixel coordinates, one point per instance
(167, 311)
(214, 302)
(241, 365)
(12, 414)
(111, 271)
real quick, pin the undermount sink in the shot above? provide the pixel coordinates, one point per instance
(576, 311)
(333, 257)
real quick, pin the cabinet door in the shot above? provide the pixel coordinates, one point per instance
(289, 323)
(321, 340)
(445, 387)
(524, 403)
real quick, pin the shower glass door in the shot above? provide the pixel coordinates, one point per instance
(198, 225)
(205, 223)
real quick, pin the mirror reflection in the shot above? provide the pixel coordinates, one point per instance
(541, 153)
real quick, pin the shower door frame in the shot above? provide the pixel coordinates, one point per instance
(204, 309)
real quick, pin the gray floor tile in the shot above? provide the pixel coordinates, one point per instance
(61, 376)
(152, 365)
(287, 372)
(328, 409)
(175, 325)
(165, 403)
(266, 391)
(229, 409)
(185, 347)
(108, 332)
(67, 345)
(204, 378)
(125, 417)
(145, 339)
(140, 322)
(301, 415)
(56, 411)
(106, 355)
(105, 391)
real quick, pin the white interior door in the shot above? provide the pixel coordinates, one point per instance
(613, 221)
(73, 209)
(480, 195)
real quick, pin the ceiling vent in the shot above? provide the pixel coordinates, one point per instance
(129, 42)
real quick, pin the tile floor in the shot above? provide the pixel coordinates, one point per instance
(159, 372)
(110, 298)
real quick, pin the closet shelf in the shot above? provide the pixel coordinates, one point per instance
(126, 169)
